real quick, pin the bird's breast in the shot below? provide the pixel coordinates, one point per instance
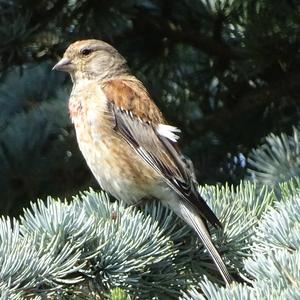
(75, 108)
(116, 166)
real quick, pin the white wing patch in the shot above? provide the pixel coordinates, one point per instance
(170, 132)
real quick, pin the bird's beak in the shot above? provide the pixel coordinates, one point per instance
(64, 65)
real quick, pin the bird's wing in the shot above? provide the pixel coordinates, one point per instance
(139, 121)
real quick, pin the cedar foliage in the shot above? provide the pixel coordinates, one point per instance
(224, 71)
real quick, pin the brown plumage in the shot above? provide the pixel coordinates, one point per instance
(130, 95)
(128, 145)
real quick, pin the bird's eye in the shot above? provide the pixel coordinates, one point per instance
(85, 51)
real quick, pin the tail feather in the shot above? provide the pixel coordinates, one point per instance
(194, 220)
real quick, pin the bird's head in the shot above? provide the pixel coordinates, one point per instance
(92, 59)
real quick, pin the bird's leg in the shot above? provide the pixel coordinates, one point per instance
(140, 202)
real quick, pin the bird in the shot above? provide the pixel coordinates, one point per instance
(127, 143)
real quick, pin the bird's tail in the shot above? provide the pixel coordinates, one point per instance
(189, 215)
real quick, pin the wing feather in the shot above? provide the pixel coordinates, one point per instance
(141, 124)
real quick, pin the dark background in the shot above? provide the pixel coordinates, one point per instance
(225, 72)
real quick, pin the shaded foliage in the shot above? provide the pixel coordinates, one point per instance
(225, 72)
